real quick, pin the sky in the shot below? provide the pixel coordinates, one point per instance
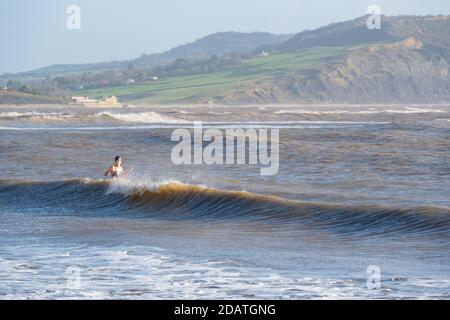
(34, 34)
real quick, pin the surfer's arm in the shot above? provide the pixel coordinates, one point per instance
(107, 171)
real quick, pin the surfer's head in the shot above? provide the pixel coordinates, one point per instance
(118, 160)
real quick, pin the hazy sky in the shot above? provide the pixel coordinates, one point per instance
(34, 34)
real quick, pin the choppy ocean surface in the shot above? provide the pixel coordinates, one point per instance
(358, 186)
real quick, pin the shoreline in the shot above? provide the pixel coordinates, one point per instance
(187, 105)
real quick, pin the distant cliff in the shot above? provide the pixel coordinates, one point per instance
(407, 62)
(16, 97)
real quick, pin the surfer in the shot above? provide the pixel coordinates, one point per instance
(116, 169)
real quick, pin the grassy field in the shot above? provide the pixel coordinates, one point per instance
(175, 89)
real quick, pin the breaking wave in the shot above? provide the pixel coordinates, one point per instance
(89, 118)
(406, 110)
(173, 200)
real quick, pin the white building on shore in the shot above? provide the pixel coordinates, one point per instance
(89, 102)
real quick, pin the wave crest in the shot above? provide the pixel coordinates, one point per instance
(405, 110)
(174, 200)
(80, 118)
(142, 117)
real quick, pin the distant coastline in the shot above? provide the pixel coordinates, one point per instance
(405, 62)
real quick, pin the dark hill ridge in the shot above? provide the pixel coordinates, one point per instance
(430, 29)
(219, 44)
(341, 34)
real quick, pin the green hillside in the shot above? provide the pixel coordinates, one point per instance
(185, 88)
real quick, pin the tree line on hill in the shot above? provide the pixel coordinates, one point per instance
(62, 85)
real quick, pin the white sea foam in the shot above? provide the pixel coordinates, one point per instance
(14, 114)
(405, 110)
(137, 117)
(152, 273)
(142, 117)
